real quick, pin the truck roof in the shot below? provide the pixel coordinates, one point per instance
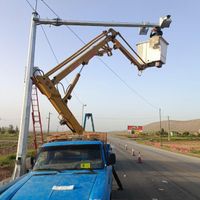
(77, 142)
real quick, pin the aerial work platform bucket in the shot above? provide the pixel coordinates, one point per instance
(153, 52)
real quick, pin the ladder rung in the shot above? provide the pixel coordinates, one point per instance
(36, 119)
(36, 110)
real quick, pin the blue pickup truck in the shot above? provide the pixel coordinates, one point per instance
(68, 170)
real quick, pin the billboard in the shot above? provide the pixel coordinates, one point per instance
(135, 128)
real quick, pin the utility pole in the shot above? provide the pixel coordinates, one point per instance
(168, 128)
(19, 170)
(160, 127)
(49, 120)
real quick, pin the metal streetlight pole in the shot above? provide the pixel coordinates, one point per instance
(83, 106)
(49, 120)
(160, 127)
(168, 129)
(25, 117)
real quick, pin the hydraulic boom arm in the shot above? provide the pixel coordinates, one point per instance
(96, 47)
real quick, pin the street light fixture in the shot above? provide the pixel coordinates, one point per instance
(143, 30)
(165, 21)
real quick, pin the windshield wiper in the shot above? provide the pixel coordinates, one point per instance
(90, 171)
(47, 169)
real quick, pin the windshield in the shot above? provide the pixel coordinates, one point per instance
(69, 157)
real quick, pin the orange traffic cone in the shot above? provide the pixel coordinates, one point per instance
(133, 152)
(139, 158)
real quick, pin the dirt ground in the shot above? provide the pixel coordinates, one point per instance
(8, 146)
(184, 147)
(189, 146)
(5, 172)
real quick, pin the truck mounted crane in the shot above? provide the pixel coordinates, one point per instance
(82, 169)
(104, 43)
(151, 53)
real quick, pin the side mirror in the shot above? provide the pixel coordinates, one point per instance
(29, 163)
(111, 159)
(108, 148)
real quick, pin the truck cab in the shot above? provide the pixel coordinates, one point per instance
(67, 170)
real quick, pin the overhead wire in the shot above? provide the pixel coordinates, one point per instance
(50, 46)
(53, 52)
(30, 5)
(50, 8)
(131, 48)
(36, 3)
(49, 43)
(106, 65)
(127, 85)
(117, 75)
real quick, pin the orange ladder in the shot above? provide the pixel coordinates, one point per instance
(36, 117)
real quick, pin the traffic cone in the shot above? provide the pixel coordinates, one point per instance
(133, 152)
(139, 158)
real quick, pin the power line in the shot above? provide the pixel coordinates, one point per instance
(50, 46)
(50, 8)
(36, 3)
(127, 85)
(59, 18)
(117, 75)
(75, 34)
(53, 52)
(106, 65)
(30, 5)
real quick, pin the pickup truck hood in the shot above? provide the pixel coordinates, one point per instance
(53, 186)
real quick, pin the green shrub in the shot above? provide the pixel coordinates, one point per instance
(186, 133)
(7, 160)
(195, 151)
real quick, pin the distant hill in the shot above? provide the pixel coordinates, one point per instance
(180, 126)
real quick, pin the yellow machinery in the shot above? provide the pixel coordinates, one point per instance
(97, 47)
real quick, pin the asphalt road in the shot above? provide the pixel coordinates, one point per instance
(162, 175)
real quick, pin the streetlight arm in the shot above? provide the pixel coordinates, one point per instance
(60, 22)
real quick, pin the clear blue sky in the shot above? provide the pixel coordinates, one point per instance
(174, 88)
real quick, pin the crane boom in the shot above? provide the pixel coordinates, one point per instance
(96, 47)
